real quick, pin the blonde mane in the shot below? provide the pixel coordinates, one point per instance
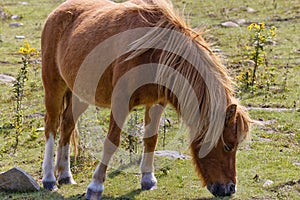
(192, 61)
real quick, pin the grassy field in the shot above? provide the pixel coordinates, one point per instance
(274, 149)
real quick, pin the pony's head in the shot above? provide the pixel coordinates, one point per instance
(217, 169)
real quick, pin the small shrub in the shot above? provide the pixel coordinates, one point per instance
(132, 136)
(261, 75)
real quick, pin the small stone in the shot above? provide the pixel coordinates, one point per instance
(23, 3)
(6, 78)
(20, 37)
(266, 139)
(17, 180)
(272, 43)
(172, 154)
(15, 17)
(240, 21)
(3, 15)
(15, 24)
(229, 24)
(250, 10)
(249, 62)
(217, 50)
(40, 129)
(35, 115)
(268, 183)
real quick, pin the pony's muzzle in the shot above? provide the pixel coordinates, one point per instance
(221, 190)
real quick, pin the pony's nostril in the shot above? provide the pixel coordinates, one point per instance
(217, 190)
(221, 190)
(231, 188)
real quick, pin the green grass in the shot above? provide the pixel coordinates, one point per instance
(272, 154)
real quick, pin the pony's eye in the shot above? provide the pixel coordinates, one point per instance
(228, 148)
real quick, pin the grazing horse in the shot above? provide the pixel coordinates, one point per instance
(140, 52)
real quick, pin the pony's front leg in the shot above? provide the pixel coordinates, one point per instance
(51, 126)
(111, 143)
(152, 118)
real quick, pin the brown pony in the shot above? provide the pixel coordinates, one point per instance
(140, 52)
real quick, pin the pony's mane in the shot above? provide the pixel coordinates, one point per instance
(184, 50)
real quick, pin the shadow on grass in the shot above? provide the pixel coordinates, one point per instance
(208, 198)
(129, 196)
(46, 195)
(42, 194)
(132, 196)
(122, 168)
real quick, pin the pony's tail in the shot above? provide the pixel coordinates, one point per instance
(74, 138)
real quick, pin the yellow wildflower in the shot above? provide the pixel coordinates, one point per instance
(256, 26)
(26, 50)
(262, 25)
(250, 26)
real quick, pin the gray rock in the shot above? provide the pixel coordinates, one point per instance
(20, 37)
(6, 79)
(23, 3)
(240, 21)
(15, 17)
(3, 15)
(172, 154)
(15, 24)
(250, 10)
(268, 183)
(229, 24)
(42, 129)
(17, 180)
(249, 62)
(217, 50)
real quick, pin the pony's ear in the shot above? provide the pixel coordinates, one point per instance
(230, 114)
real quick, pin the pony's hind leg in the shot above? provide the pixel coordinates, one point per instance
(53, 102)
(73, 109)
(152, 119)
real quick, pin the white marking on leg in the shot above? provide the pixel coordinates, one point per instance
(96, 187)
(62, 167)
(98, 179)
(147, 163)
(48, 163)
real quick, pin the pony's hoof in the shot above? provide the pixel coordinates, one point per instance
(65, 181)
(149, 187)
(51, 186)
(148, 181)
(91, 195)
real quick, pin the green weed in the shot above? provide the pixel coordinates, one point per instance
(19, 90)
